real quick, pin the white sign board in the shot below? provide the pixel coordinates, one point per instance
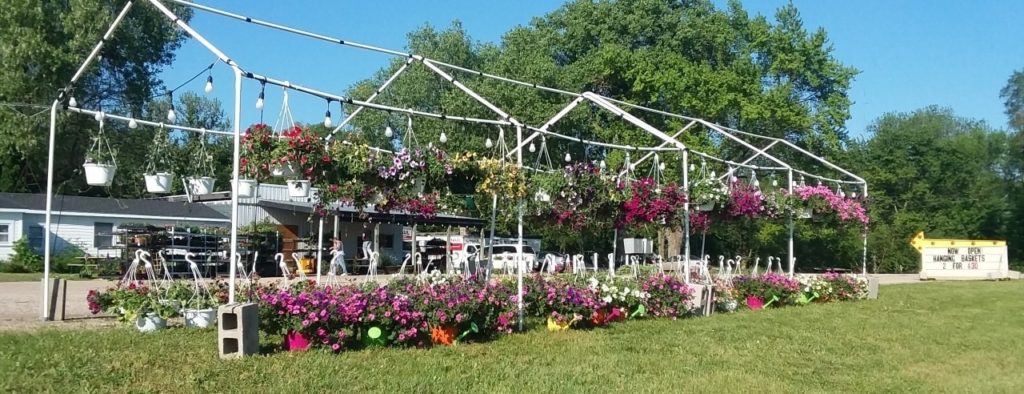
(964, 262)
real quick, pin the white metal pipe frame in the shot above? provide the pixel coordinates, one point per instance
(670, 143)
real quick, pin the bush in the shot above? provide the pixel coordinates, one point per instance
(11, 267)
(25, 257)
(771, 288)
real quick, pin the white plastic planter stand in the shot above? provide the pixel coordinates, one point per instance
(202, 185)
(246, 188)
(158, 183)
(150, 323)
(99, 174)
(282, 171)
(298, 188)
(200, 318)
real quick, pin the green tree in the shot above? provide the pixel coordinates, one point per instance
(42, 43)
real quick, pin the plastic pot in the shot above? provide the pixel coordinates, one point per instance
(158, 183)
(200, 318)
(150, 323)
(99, 174)
(282, 171)
(201, 185)
(706, 207)
(298, 188)
(247, 188)
(805, 213)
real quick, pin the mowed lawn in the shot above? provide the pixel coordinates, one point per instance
(950, 337)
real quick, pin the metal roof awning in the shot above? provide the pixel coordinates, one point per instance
(397, 216)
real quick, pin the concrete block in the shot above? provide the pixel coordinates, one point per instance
(238, 330)
(57, 299)
(1014, 275)
(872, 287)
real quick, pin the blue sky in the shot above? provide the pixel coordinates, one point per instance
(911, 54)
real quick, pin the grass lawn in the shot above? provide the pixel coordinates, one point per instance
(931, 337)
(34, 277)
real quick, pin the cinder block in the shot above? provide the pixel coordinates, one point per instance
(238, 330)
(872, 287)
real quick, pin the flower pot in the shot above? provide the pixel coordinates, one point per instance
(99, 174)
(755, 303)
(296, 342)
(150, 323)
(282, 170)
(200, 318)
(729, 306)
(299, 188)
(201, 185)
(246, 188)
(706, 207)
(542, 196)
(444, 335)
(158, 183)
(805, 213)
(556, 325)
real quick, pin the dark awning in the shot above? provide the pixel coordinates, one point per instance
(398, 216)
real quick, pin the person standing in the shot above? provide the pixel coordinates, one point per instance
(338, 250)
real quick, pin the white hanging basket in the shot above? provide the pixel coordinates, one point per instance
(246, 188)
(200, 318)
(805, 213)
(158, 183)
(542, 196)
(150, 323)
(283, 171)
(298, 188)
(706, 207)
(99, 174)
(201, 185)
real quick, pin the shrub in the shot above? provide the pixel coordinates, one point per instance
(25, 257)
(773, 289)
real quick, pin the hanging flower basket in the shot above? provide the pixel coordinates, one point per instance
(283, 170)
(805, 213)
(150, 323)
(296, 342)
(201, 185)
(200, 318)
(247, 188)
(99, 174)
(298, 188)
(706, 207)
(158, 183)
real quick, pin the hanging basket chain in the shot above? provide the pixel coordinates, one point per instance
(99, 142)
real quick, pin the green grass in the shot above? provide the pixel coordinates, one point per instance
(33, 277)
(957, 337)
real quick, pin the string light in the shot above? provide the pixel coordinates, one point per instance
(489, 143)
(72, 102)
(567, 157)
(209, 84)
(444, 138)
(99, 116)
(533, 148)
(603, 165)
(133, 124)
(259, 101)
(171, 116)
(327, 115)
(388, 132)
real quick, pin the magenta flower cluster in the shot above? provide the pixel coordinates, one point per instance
(647, 203)
(747, 200)
(845, 208)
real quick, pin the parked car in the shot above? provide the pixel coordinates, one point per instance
(505, 255)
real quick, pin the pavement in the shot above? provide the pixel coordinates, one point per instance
(20, 305)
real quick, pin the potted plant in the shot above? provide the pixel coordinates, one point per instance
(100, 164)
(158, 181)
(154, 314)
(203, 182)
(200, 311)
(258, 145)
(708, 192)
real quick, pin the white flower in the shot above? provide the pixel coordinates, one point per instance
(607, 299)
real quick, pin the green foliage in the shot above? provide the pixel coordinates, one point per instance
(25, 256)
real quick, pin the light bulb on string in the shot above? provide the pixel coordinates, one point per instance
(171, 116)
(775, 182)
(533, 148)
(209, 84)
(568, 158)
(444, 137)
(603, 165)
(259, 101)
(388, 132)
(99, 116)
(489, 143)
(692, 167)
(72, 102)
(327, 116)
(661, 166)
(133, 124)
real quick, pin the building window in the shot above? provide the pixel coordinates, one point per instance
(35, 238)
(103, 235)
(5, 233)
(386, 241)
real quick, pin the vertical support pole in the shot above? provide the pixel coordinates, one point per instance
(490, 247)
(789, 250)
(414, 251)
(234, 179)
(448, 250)
(864, 252)
(337, 226)
(686, 216)
(319, 249)
(521, 257)
(49, 211)
(615, 246)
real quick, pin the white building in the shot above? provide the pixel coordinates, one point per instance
(91, 222)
